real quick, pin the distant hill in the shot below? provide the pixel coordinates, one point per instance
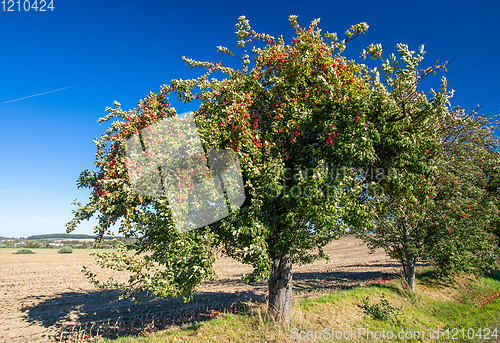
(67, 236)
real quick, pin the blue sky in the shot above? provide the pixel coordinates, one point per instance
(83, 55)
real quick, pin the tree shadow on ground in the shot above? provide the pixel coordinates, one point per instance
(104, 314)
(495, 275)
(390, 264)
(307, 282)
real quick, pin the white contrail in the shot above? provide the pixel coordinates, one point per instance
(12, 192)
(131, 6)
(31, 96)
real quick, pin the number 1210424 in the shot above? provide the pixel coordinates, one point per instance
(27, 5)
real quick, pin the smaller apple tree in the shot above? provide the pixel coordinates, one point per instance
(462, 223)
(409, 144)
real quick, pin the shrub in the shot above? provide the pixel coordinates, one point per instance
(382, 311)
(65, 250)
(24, 251)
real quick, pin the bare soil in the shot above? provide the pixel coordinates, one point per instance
(45, 295)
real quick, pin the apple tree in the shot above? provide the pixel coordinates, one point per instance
(407, 149)
(461, 226)
(298, 116)
(435, 205)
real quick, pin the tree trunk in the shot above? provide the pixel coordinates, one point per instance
(409, 263)
(280, 289)
(410, 271)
